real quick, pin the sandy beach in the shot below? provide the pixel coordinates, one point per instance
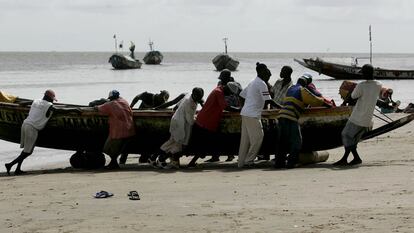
(377, 196)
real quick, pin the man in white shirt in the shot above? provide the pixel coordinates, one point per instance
(256, 94)
(360, 121)
(39, 114)
(180, 129)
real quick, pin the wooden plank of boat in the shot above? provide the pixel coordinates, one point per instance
(388, 127)
(345, 72)
(120, 62)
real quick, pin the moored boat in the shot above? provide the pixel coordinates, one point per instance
(120, 62)
(351, 72)
(224, 61)
(153, 57)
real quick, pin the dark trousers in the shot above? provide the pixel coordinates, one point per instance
(290, 142)
(201, 140)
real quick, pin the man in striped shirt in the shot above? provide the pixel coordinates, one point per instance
(296, 100)
(282, 85)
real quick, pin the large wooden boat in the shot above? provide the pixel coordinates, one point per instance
(87, 131)
(121, 62)
(351, 72)
(224, 61)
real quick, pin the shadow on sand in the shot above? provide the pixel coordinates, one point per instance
(265, 166)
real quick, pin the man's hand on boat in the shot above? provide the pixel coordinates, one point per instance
(67, 110)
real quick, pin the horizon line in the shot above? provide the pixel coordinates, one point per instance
(103, 51)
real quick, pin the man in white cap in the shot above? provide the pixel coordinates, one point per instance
(121, 126)
(40, 112)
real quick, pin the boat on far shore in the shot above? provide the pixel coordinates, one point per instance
(224, 61)
(153, 57)
(353, 71)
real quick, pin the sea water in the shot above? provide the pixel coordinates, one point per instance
(80, 77)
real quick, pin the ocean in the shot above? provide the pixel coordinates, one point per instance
(80, 77)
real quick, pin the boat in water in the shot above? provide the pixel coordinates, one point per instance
(351, 72)
(224, 61)
(121, 62)
(153, 57)
(87, 131)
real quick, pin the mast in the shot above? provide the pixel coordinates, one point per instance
(370, 46)
(150, 43)
(225, 44)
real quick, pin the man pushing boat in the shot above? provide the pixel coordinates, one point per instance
(121, 126)
(40, 112)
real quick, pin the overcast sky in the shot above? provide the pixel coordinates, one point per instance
(200, 25)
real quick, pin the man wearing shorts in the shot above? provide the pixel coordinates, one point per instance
(360, 121)
(40, 112)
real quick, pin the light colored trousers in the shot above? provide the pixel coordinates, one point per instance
(250, 141)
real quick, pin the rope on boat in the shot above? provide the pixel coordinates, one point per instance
(389, 120)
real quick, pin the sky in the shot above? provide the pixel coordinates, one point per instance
(200, 25)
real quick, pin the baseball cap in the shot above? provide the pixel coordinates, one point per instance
(234, 87)
(113, 94)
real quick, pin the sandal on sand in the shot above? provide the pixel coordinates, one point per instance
(133, 195)
(103, 194)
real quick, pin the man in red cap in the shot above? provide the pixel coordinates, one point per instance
(40, 112)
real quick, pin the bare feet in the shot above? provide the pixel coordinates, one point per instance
(8, 167)
(355, 162)
(340, 163)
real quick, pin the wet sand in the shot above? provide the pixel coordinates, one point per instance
(377, 196)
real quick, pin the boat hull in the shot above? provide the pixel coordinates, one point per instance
(122, 62)
(87, 131)
(344, 72)
(224, 61)
(153, 58)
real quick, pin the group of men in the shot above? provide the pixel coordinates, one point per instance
(189, 129)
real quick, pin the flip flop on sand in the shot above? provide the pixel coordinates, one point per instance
(133, 195)
(103, 194)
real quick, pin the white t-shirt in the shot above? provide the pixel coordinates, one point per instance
(183, 120)
(255, 95)
(37, 114)
(367, 93)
